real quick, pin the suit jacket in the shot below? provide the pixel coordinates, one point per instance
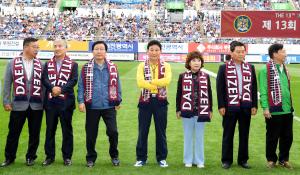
(67, 89)
(8, 95)
(222, 88)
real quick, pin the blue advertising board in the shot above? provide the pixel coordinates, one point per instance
(289, 58)
(119, 47)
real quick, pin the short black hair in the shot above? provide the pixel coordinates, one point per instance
(228, 57)
(274, 48)
(235, 44)
(100, 42)
(27, 41)
(153, 42)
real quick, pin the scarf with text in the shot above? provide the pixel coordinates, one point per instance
(20, 78)
(88, 77)
(162, 91)
(235, 101)
(61, 77)
(187, 102)
(274, 89)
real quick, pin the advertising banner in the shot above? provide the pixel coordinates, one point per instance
(11, 44)
(166, 47)
(210, 48)
(283, 24)
(73, 45)
(119, 47)
(289, 58)
(262, 49)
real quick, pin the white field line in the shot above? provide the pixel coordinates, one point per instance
(214, 75)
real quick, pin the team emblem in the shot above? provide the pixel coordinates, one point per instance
(242, 24)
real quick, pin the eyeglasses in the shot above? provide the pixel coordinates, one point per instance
(35, 47)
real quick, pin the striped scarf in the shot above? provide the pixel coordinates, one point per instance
(162, 91)
(274, 89)
(235, 101)
(61, 77)
(20, 78)
(88, 78)
(187, 102)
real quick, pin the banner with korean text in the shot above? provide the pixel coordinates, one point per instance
(210, 48)
(283, 24)
(172, 48)
(11, 45)
(73, 45)
(119, 47)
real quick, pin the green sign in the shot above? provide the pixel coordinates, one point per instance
(175, 4)
(282, 6)
(70, 3)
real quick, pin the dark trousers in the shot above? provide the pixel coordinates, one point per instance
(65, 117)
(160, 119)
(91, 128)
(229, 121)
(279, 128)
(16, 123)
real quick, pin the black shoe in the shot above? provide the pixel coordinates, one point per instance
(115, 161)
(48, 161)
(244, 165)
(7, 162)
(226, 165)
(67, 162)
(90, 164)
(29, 162)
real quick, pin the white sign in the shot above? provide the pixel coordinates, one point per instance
(72, 55)
(262, 49)
(167, 47)
(11, 45)
(120, 56)
(9, 54)
(253, 58)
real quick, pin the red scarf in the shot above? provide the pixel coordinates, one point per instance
(187, 102)
(87, 74)
(59, 78)
(162, 91)
(20, 78)
(274, 89)
(234, 101)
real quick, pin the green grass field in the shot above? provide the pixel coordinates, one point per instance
(127, 125)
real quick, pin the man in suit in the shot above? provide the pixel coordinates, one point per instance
(59, 78)
(25, 100)
(237, 101)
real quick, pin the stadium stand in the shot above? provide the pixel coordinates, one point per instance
(108, 20)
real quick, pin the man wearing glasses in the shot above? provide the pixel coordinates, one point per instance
(24, 74)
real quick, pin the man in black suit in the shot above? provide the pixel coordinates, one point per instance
(60, 76)
(237, 101)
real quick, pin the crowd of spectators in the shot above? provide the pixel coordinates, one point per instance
(16, 26)
(70, 26)
(108, 25)
(113, 5)
(5, 2)
(36, 3)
